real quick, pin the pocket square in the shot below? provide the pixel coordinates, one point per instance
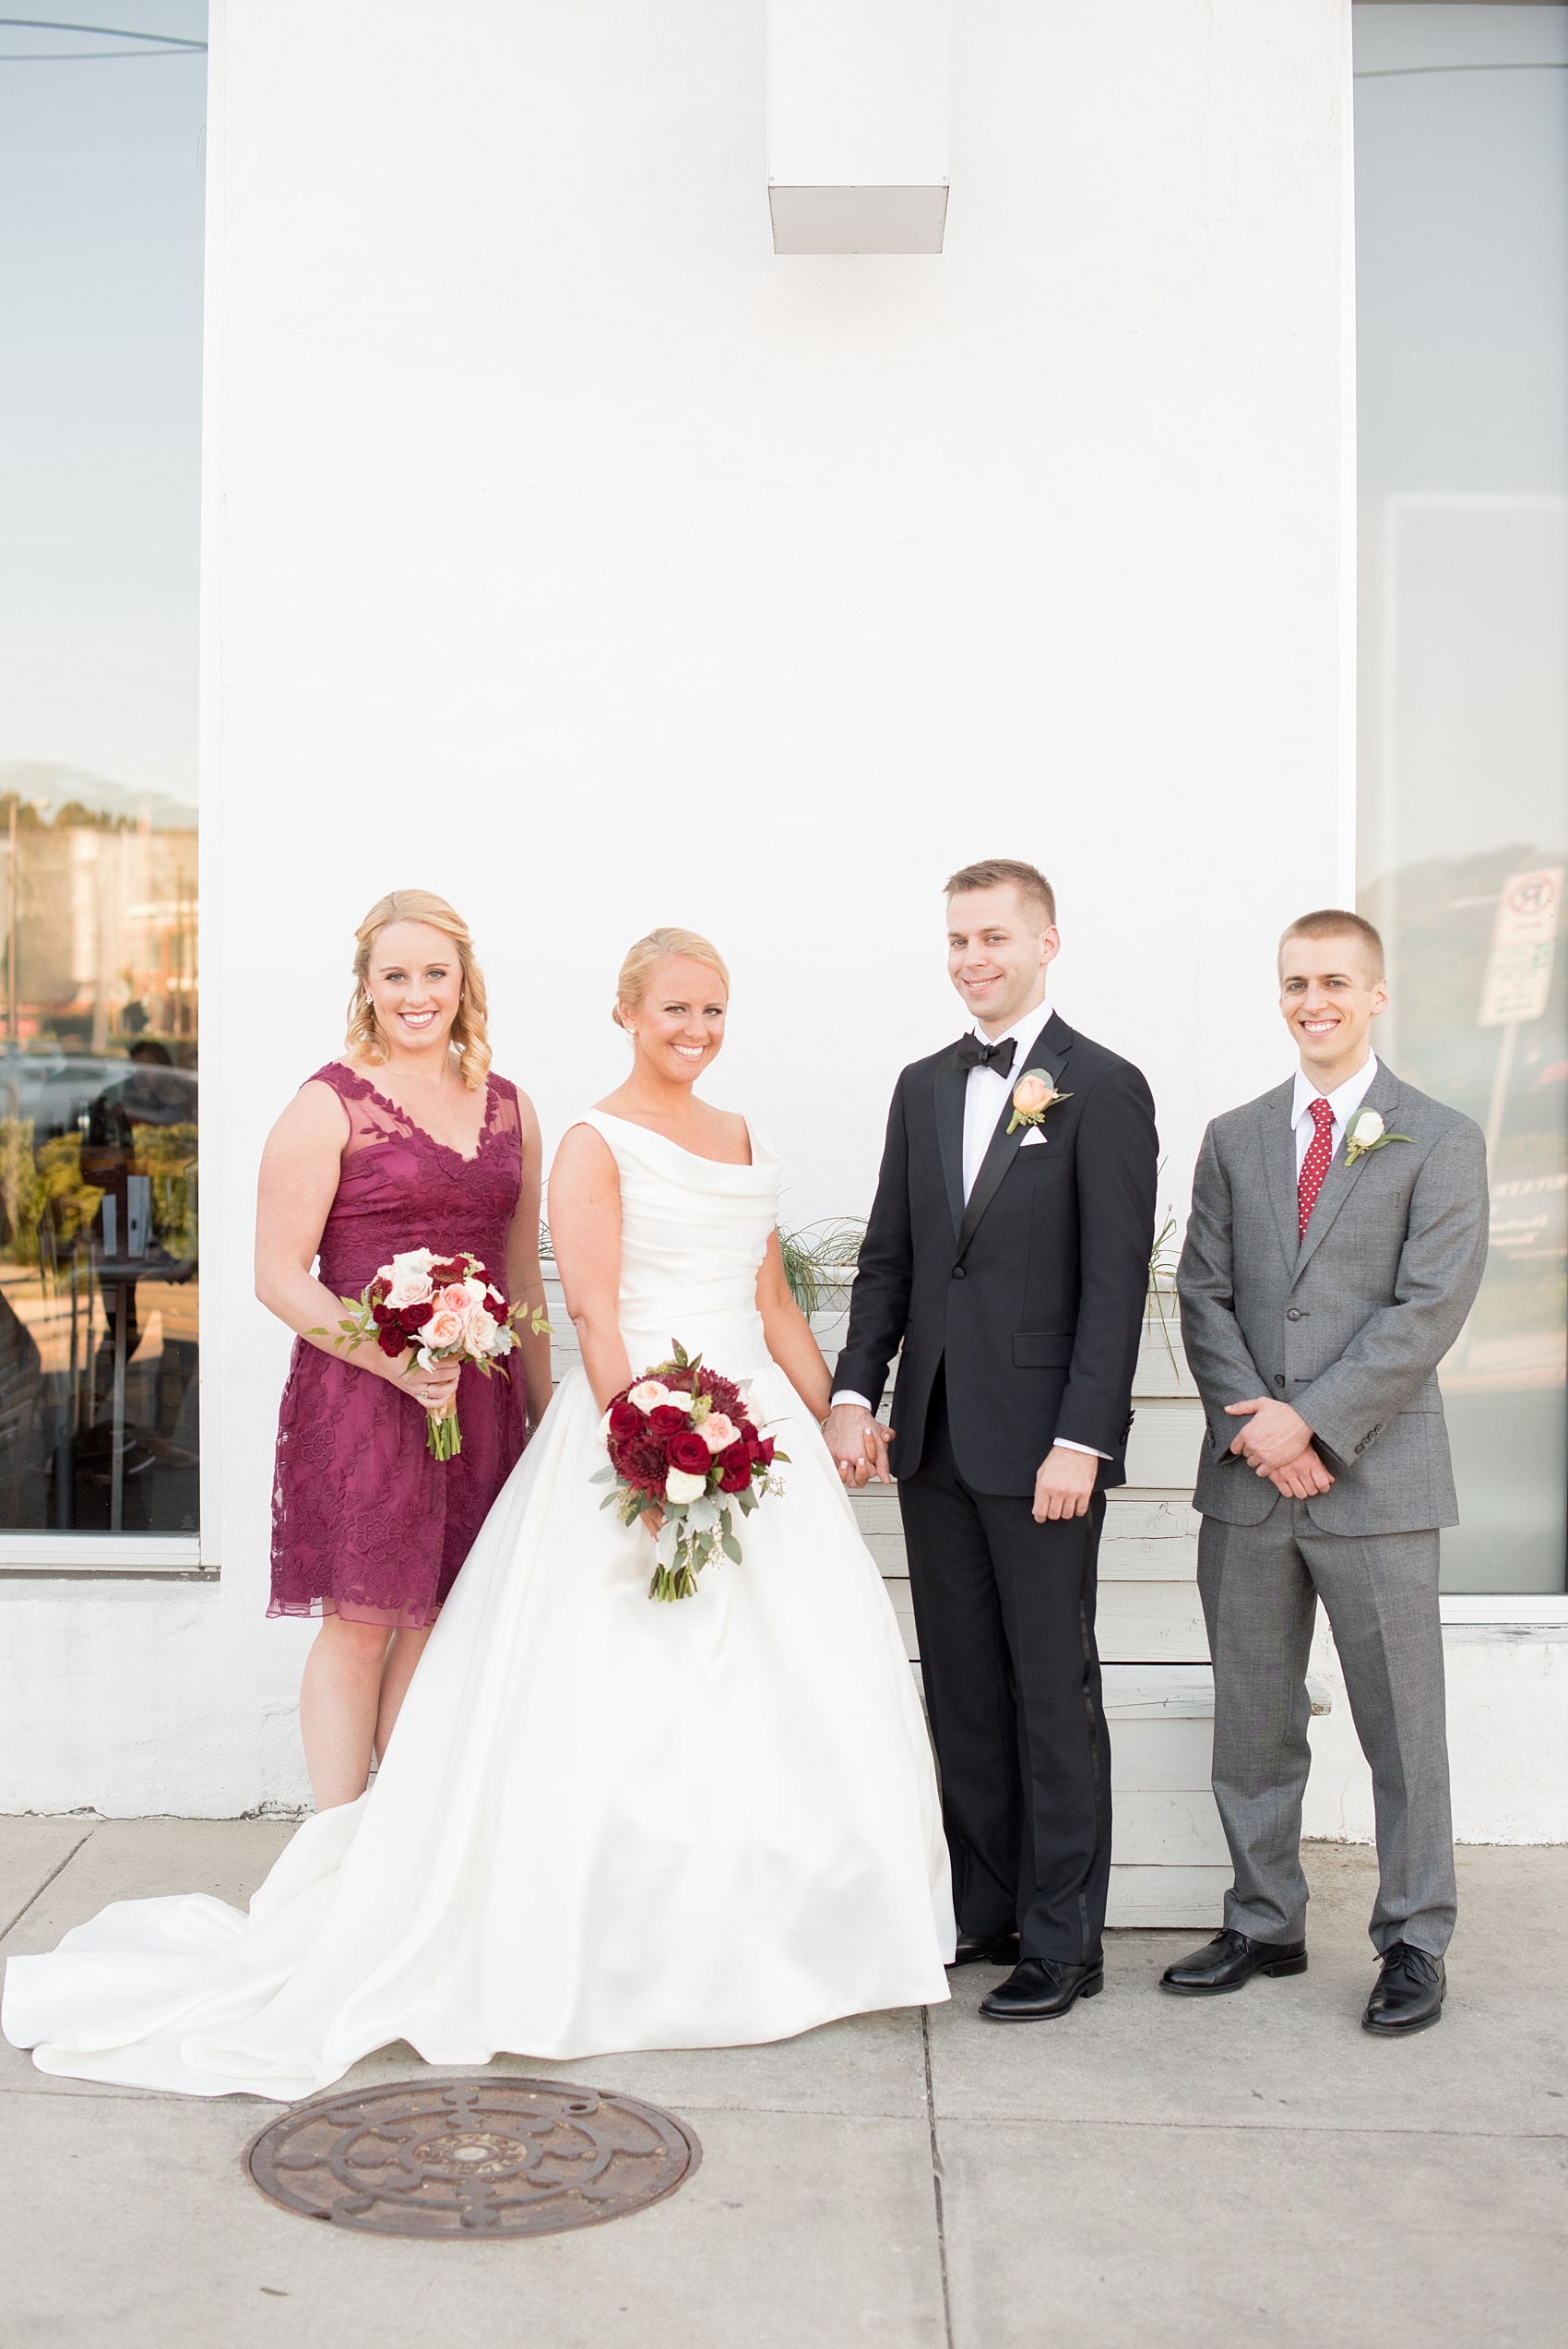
(1034, 1136)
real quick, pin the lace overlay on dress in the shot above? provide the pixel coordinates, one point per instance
(364, 1522)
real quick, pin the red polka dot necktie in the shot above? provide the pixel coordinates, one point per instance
(1314, 1166)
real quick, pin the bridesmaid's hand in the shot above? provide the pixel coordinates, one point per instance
(433, 1388)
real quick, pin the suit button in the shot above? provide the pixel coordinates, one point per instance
(1292, 1315)
(1279, 1377)
(958, 1272)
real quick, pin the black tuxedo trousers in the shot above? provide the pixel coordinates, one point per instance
(1005, 1614)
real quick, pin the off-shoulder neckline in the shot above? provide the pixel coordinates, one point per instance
(729, 1165)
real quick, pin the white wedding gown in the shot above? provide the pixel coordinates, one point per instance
(603, 1823)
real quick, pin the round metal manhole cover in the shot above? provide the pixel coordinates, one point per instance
(474, 2159)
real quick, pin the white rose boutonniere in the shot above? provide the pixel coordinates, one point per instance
(1368, 1133)
(1034, 1093)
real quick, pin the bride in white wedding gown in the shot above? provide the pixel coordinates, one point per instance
(602, 1823)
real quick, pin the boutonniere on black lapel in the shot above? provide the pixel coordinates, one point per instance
(1034, 1093)
(1367, 1133)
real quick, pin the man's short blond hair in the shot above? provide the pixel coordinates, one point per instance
(1337, 921)
(992, 871)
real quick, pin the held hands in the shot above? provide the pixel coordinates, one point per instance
(858, 1442)
(1064, 1483)
(1277, 1443)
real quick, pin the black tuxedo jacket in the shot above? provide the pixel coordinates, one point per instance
(1034, 1291)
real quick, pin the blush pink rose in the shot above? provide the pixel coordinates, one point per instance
(408, 1288)
(444, 1328)
(481, 1329)
(716, 1432)
(455, 1299)
(1030, 1095)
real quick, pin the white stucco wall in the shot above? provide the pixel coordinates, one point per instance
(569, 552)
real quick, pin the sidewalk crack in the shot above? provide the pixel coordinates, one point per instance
(936, 2178)
(33, 1898)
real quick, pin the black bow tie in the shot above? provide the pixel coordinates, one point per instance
(972, 1054)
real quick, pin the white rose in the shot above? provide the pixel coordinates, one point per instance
(650, 1395)
(1368, 1127)
(412, 1261)
(481, 1330)
(678, 1486)
(716, 1432)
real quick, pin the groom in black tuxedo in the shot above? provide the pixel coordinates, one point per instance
(1008, 1252)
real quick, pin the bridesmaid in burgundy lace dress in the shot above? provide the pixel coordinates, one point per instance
(408, 1142)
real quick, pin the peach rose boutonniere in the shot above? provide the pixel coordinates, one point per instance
(1034, 1093)
(1367, 1134)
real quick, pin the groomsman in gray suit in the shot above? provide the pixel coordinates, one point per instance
(1336, 1242)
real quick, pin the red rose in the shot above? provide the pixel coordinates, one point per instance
(667, 1420)
(734, 1468)
(625, 1420)
(414, 1316)
(391, 1341)
(690, 1453)
(762, 1449)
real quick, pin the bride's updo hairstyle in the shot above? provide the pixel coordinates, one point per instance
(365, 1040)
(644, 959)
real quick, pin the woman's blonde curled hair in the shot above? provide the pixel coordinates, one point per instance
(644, 959)
(365, 1040)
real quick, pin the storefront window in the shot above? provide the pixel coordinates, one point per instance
(1462, 307)
(101, 165)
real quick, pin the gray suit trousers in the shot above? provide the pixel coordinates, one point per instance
(1260, 1586)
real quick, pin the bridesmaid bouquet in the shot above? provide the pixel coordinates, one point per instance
(447, 1310)
(681, 1439)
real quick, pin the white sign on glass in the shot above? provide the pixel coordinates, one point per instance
(1518, 970)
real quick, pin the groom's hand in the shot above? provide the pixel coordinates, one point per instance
(1064, 1483)
(1273, 1436)
(858, 1441)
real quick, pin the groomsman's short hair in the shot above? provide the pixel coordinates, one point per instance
(1338, 922)
(992, 871)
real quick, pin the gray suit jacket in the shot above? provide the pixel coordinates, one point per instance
(1348, 1324)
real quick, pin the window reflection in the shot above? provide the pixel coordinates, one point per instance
(101, 261)
(98, 1175)
(1462, 288)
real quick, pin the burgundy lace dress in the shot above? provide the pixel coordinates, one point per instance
(364, 1522)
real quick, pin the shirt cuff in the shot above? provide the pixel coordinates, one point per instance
(1069, 1446)
(847, 1395)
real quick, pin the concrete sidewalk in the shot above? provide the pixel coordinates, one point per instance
(1148, 2171)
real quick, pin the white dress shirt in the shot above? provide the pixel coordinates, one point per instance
(985, 1096)
(988, 1091)
(1345, 1100)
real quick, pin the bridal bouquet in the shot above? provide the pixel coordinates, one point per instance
(447, 1310)
(681, 1439)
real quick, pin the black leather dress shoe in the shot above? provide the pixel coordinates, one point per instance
(1040, 1988)
(986, 1948)
(1230, 1959)
(1409, 1993)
